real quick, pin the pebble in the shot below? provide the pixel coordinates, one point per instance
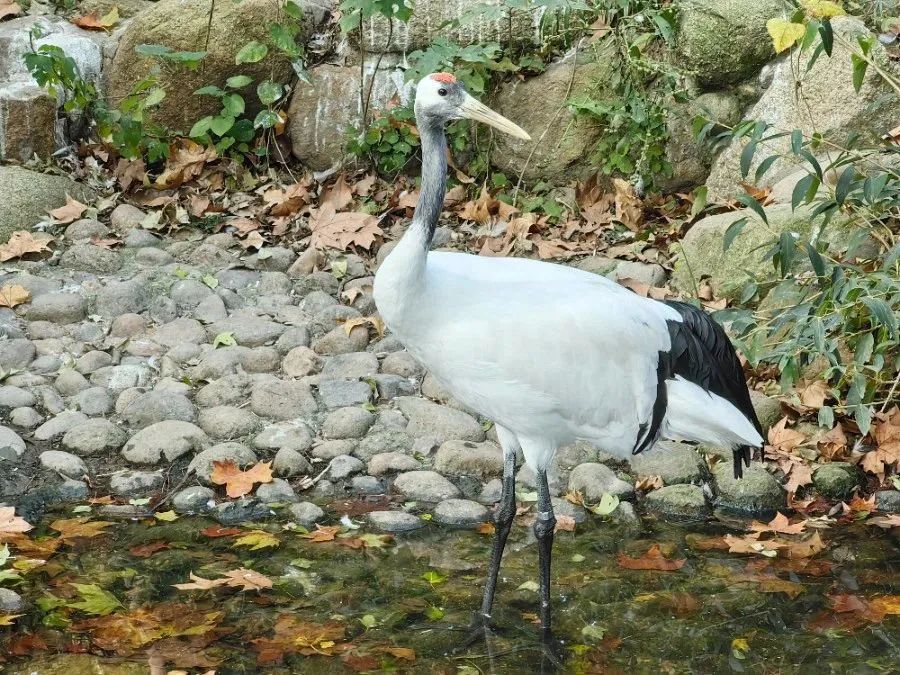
(464, 458)
(343, 393)
(289, 462)
(248, 331)
(757, 493)
(328, 450)
(282, 400)
(395, 521)
(194, 499)
(91, 361)
(306, 514)
(685, 501)
(337, 341)
(14, 397)
(90, 258)
(294, 435)
(232, 513)
(170, 439)
(403, 364)
(366, 485)
(343, 466)
(202, 463)
(350, 422)
(425, 486)
(116, 379)
(349, 366)
(673, 462)
(837, 480)
(594, 480)
(64, 463)
(11, 602)
(57, 426)
(439, 422)
(57, 307)
(391, 386)
(25, 418)
(380, 442)
(93, 437)
(92, 402)
(10, 442)
(279, 491)
(122, 297)
(16, 354)
(159, 406)
(460, 513)
(392, 462)
(888, 501)
(135, 484)
(491, 492)
(228, 422)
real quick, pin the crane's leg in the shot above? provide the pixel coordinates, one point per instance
(503, 523)
(543, 531)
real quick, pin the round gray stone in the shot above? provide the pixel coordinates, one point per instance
(392, 462)
(395, 521)
(306, 514)
(227, 422)
(11, 444)
(194, 499)
(674, 462)
(93, 437)
(464, 458)
(460, 513)
(757, 493)
(159, 406)
(170, 439)
(135, 484)
(64, 463)
(425, 486)
(279, 491)
(685, 501)
(202, 463)
(343, 466)
(347, 423)
(594, 480)
(57, 426)
(289, 462)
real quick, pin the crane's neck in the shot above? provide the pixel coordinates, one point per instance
(399, 279)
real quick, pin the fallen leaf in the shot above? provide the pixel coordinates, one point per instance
(239, 483)
(338, 196)
(21, 243)
(186, 161)
(148, 549)
(258, 539)
(629, 210)
(486, 528)
(8, 9)
(814, 395)
(247, 580)
(404, 653)
(781, 524)
(322, 533)
(8, 619)
(79, 528)
(374, 321)
(94, 21)
(13, 295)
(833, 445)
(200, 584)
(124, 632)
(648, 483)
(653, 559)
(11, 523)
(564, 524)
(95, 600)
(785, 439)
(216, 531)
(341, 230)
(885, 522)
(72, 211)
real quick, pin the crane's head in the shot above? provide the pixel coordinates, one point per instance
(440, 97)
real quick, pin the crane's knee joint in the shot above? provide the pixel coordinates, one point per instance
(505, 516)
(544, 524)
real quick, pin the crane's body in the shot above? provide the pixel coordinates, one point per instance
(550, 353)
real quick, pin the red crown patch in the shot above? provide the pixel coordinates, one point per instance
(446, 78)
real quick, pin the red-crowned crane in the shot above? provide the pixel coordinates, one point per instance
(550, 353)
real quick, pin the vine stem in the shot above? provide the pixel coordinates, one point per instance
(887, 77)
(368, 98)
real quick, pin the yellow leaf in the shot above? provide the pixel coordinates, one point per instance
(257, 539)
(784, 33)
(7, 619)
(237, 482)
(13, 294)
(167, 516)
(822, 9)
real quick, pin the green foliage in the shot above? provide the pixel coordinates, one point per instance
(390, 140)
(355, 12)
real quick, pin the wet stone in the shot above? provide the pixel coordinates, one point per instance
(10, 601)
(395, 521)
(306, 514)
(135, 484)
(563, 507)
(169, 439)
(673, 462)
(227, 422)
(71, 490)
(425, 486)
(57, 426)
(343, 466)
(94, 437)
(344, 393)
(837, 480)
(289, 462)
(392, 462)
(347, 423)
(63, 463)
(757, 493)
(232, 513)
(366, 485)
(279, 491)
(888, 501)
(194, 499)
(594, 480)
(685, 501)
(460, 513)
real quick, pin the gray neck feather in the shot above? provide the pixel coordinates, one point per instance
(434, 178)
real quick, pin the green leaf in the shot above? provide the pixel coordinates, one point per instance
(608, 503)
(252, 52)
(801, 189)
(210, 90)
(764, 166)
(200, 127)
(786, 248)
(816, 260)
(434, 613)
(368, 621)
(593, 632)
(750, 202)
(699, 203)
(238, 81)
(225, 339)
(863, 416)
(221, 124)
(155, 97)
(266, 119)
(269, 92)
(826, 416)
(860, 65)
(827, 33)
(94, 600)
(434, 578)
(796, 141)
(233, 104)
(285, 38)
(210, 281)
(784, 33)
(881, 312)
(152, 50)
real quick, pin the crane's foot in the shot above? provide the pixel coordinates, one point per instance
(553, 653)
(479, 630)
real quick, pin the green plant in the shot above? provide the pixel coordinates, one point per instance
(390, 140)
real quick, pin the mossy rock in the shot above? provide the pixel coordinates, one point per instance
(756, 494)
(684, 501)
(836, 480)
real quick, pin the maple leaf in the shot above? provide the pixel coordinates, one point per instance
(8, 9)
(75, 528)
(322, 533)
(629, 210)
(781, 524)
(886, 433)
(200, 584)
(833, 445)
(338, 196)
(374, 321)
(125, 632)
(186, 161)
(479, 210)
(21, 243)
(95, 600)
(750, 544)
(288, 201)
(72, 211)
(799, 475)
(785, 439)
(341, 230)
(257, 539)
(247, 580)
(885, 522)
(648, 483)
(238, 483)
(806, 548)
(11, 523)
(653, 559)
(12, 295)
(815, 394)
(148, 549)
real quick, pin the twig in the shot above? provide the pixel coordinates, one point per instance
(390, 36)
(306, 485)
(559, 110)
(890, 396)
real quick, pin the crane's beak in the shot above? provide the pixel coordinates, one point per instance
(476, 110)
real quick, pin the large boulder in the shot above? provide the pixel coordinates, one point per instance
(827, 104)
(183, 26)
(28, 124)
(430, 21)
(702, 251)
(84, 47)
(725, 41)
(26, 196)
(322, 113)
(561, 141)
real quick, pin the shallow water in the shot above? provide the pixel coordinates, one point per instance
(719, 612)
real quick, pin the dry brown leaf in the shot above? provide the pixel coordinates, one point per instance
(186, 162)
(94, 21)
(79, 528)
(886, 433)
(564, 524)
(885, 522)
(108, 243)
(148, 549)
(216, 531)
(629, 210)
(486, 528)
(323, 533)
(8, 9)
(13, 295)
(237, 482)
(200, 584)
(648, 483)
(288, 201)
(374, 321)
(247, 580)
(479, 210)
(785, 439)
(653, 559)
(198, 205)
(781, 524)
(338, 196)
(833, 445)
(555, 248)
(253, 240)
(364, 186)
(404, 653)
(814, 395)
(750, 543)
(72, 211)
(11, 523)
(22, 243)
(342, 230)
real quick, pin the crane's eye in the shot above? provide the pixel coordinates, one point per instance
(442, 92)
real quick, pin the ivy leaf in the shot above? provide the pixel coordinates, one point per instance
(269, 92)
(95, 600)
(238, 81)
(784, 33)
(225, 339)
(252, 52)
